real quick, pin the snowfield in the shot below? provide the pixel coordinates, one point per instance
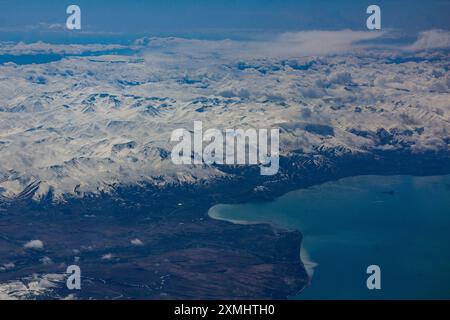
(86, 123)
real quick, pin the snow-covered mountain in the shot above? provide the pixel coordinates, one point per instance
(86, 123)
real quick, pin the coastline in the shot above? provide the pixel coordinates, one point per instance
(145, 207)
(304, 257)
(417, 165)
(403, 184)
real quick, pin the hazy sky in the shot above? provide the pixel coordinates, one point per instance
(31, 19)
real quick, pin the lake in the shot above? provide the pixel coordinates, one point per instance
(400, 223)
(43, 58)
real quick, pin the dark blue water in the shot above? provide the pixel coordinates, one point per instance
(29, 58)
(400, 223)
(52, 57)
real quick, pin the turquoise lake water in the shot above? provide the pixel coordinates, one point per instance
(400, 223)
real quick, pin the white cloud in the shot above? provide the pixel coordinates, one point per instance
(305, 43)
(431, 39)
(284, 46)
(34, 244)
(107, 256)
(46, 260)
(52, 26)
(136, 242)
(40, 47)
(7, 266)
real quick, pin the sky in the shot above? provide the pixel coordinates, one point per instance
(32, 20)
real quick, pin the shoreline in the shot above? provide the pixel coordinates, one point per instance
(132, 206)
(304, 257)
(427, 180)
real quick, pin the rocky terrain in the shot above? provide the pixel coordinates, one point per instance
(86, 123)
(85, 155)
